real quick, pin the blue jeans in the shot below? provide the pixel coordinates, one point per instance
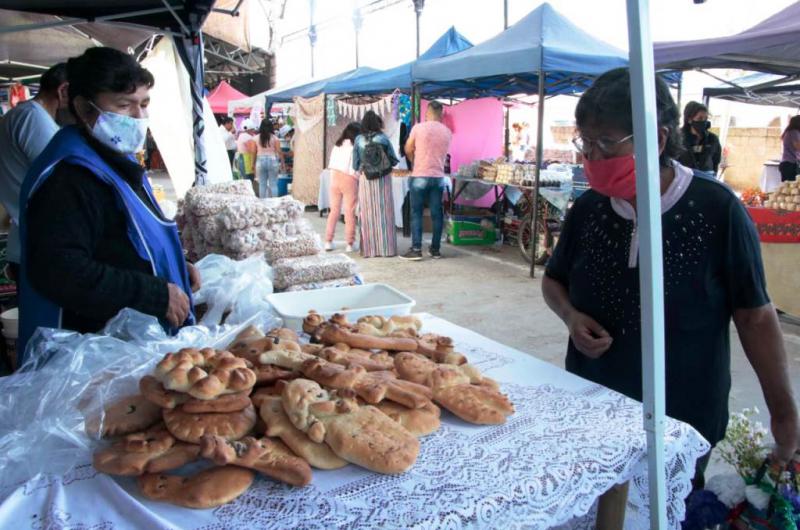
(267, 169)
(430, 190)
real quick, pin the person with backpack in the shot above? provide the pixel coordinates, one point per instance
(374, 157)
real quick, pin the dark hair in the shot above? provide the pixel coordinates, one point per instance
(350, 132)
(265, 132)
(436, 107)
(101, 70)
(371, 123)
(689, 111)
(226, 120)
(53, 78)
(794, 125)
(608, 103)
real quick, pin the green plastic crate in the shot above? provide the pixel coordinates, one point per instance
(463, 230)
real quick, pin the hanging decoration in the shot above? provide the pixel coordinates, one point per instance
(330, 110)
(404, 108)
(355, 112)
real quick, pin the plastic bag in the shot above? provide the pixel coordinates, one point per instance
(303, 244)
(238, 287)
(70, 378)
(339, 282)
(307, 269)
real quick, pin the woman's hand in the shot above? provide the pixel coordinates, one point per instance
(178, 307)
(194, 277)
(588, 336)
(786, 432)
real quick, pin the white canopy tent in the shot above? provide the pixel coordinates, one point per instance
(171, 121)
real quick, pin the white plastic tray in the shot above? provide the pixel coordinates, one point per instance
(355, 302)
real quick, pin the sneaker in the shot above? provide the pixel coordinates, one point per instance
(413, 254)
(435, 254)
(348, 248)
(329, 246)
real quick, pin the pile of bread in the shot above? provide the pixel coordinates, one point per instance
(787, 197)
(359, 393)
(228, 219)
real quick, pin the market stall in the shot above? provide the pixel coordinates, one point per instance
(221, 95)
(777, 220)
(543, 54)
(566, 443)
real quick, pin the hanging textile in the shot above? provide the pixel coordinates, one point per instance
(404, 108)
(330, 110)
(308, 148)
(190, 50)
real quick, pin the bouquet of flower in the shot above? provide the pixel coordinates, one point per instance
(761, 495)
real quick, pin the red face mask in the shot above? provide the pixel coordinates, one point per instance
(612, 177)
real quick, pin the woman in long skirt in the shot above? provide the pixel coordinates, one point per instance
(376, 206)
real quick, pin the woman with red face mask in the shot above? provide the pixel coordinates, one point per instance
(712, 274)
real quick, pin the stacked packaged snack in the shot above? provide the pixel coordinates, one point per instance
(229, 220)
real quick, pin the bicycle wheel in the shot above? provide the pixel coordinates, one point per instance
(545, 239)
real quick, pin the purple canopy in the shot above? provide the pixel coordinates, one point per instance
(770, 46)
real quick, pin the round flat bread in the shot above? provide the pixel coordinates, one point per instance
(128, 415)
(192, 427)
(207, 489)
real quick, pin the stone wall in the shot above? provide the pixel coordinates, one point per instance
(748, 149)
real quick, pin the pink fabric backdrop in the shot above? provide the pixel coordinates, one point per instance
(477, 126)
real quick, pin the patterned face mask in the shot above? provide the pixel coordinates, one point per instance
(124, 134)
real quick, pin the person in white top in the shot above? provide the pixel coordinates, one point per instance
(344, 187)
(228, 133)
(24, 133)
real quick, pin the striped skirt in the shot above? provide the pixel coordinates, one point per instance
(376, 211)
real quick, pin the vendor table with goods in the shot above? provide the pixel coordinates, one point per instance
(777, 219)
(567, 442)
(779, 232)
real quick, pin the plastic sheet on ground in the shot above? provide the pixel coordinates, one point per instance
(72, 377)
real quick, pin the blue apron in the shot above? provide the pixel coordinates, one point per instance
(156, 241)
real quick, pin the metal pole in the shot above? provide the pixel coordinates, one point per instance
(680, 94)
(358, 22)
(651, 268)
(312, 32)
(505, 14)
(539, 156)
(419, 5)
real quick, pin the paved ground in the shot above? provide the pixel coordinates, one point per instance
(489, 291)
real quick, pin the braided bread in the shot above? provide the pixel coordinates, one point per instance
(204, 374)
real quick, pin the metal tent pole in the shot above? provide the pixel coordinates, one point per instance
(539, 156)
(651, 271)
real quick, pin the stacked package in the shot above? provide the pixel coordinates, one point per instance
(229, 220)
(787, 197)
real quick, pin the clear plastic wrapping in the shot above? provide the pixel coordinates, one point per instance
(244, 214)
(236, 287)
(308, 269)
(70, 378)
(339, 282)
(303, 244)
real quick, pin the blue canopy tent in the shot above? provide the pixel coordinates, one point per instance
(758, 89)
(543, 42)
(309, 89)
(400, 77)
(544, 54)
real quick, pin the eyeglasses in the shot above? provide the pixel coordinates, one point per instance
(605, 145)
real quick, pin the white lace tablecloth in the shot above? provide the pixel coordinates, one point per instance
(568, 442)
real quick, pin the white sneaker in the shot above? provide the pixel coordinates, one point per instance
(329, 245)
(348, 248)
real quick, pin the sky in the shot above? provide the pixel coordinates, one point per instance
(387, 38)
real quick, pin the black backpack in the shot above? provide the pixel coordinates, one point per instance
(375, 162)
